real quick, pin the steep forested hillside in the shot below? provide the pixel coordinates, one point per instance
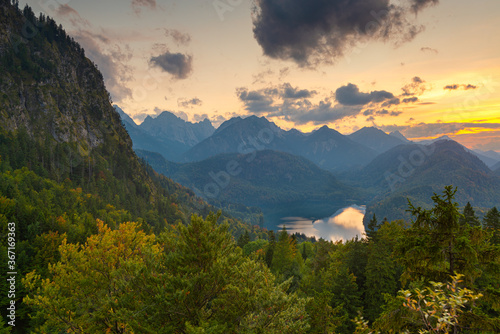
(65, 158)
(277, 182)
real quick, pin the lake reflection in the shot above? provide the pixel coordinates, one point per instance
(345, 224)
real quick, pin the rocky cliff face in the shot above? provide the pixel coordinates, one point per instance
(48, 85)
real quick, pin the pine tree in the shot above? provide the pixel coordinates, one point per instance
(243, 239)
(304, 251)
(492, 221)
(284, 252)
(469, 216)
(371, 228)
(270, 249)
(437, 245)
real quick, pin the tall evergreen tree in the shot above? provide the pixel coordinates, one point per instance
(243, 239)
(270, 249)
(492, 221)
(372, 228)
(469, 216)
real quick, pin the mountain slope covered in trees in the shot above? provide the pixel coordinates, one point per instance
(65, 158)
(417, 171)
(281, 184)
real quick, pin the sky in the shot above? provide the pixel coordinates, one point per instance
(426, 68)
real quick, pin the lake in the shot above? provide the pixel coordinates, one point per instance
(345, 224)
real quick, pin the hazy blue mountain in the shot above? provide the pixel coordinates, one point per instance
(417, 171)
(326, 147)
(399, 135)
(490, 158)
(430, 141)
(376, 139)
(127, 120)
(277, 182)
(331, 150)
(496, 169)
(490, 154)
(238, 135)
(487, 158)
(170, 127)
(490, 162)
(142, 140)
(166, 134)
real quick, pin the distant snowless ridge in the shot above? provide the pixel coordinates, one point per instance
(396, 134)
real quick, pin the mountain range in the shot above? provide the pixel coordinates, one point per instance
(375, 168)
(166, 134)
(181, 141)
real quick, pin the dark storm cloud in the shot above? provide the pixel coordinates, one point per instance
(189, 103)
(457, 86)
(177, 64)
(351, 96)
(319, 31)
(137, 5)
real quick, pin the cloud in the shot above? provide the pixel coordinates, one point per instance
(425, 130)
(317, 31)
(137, 5)
(177, 64)
(112, 61)
(290, 92)
(462, 86)
(189, 103)
(297, 105)
(428, 49)
(178, 37)
(392, 102)
(72, 15)
(111, 58)
(417, 5)
(381, 112)
(350, 95)
(262, 76)
(262, 100)
(416, 87)
(257, 101)
(303, 112)
(294, 104)
(410, 100)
